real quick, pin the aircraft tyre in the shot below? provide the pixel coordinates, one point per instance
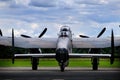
(34, 63)
(95, 63)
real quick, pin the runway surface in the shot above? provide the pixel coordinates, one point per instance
(54, 74)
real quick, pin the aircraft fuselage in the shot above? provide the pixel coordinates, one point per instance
(64, 46)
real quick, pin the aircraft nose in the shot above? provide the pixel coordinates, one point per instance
(62, 55)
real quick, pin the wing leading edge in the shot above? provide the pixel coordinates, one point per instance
(29, 42)
(94, 42)
(52, 42)
(71, 55)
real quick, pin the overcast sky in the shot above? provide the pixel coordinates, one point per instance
(88, 17)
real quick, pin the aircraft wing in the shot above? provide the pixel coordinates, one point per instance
(85, 55)
(29, 42)
(71, 55)
(43, 55)
(94, 42)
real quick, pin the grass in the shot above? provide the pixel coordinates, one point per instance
(87, 63)
(82, 62)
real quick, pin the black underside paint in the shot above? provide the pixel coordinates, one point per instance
(62, 55)
(34, 50)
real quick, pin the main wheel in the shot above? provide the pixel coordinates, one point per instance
(34, 63)
(95, 64)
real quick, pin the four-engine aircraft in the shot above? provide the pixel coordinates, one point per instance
(63, 45)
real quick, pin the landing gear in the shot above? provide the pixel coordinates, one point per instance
(95, 62)
(62, 57)
(35, 63)
(62, 67)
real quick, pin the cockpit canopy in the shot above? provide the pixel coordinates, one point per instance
(64, 31)
(65, 28)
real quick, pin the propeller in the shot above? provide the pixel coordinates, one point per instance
(35, 50)
(44, 31)
(83, 36)
(13, 45)
(26, 36)
(103, 30)
(112, 47)
(1, 33)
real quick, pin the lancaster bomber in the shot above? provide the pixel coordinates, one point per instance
(63, 45)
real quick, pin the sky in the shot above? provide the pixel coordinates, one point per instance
(87, 17)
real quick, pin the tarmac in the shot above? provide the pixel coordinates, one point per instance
(53, 73)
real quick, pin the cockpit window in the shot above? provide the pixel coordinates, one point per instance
(65, 29)
(63, 34)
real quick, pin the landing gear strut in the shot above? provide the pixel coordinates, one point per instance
(35, 63)
(95, 62)
(62, 67)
